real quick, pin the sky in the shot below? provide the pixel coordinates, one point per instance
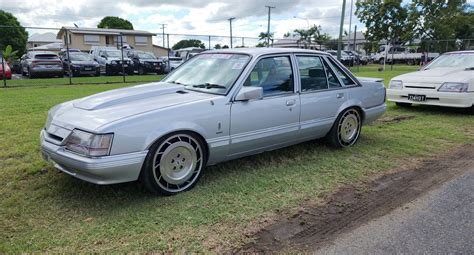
(202, 17)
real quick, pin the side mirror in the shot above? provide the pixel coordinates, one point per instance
(249, 93)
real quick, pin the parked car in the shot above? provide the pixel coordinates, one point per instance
(7, 73)
(110, 60)
(345, 58)
(219, 105)
(146, 62)
(447, 81)
(357, 58)
(41, 63)
(172, 64)
(397, 54)
(80, 64)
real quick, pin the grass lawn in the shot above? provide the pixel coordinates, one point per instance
(38, 82)
(44, 210)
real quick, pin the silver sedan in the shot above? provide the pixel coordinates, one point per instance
(218, 106)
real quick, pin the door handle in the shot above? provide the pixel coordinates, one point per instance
(290, 102)
(339, 95)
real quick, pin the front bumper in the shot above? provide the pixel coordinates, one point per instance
(433, 97)
(117, 68)
(100, 170)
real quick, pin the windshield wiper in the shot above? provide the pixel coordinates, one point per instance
(469, 68)
(174, 82)
(209, 86)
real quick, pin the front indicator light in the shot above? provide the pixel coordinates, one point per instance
(395, 84)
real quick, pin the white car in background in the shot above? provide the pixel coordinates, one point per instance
(447, 81)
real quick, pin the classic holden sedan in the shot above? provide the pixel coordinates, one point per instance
(447, 81)
(219, 105)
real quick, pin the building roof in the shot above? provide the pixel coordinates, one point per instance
(359, 37)
(104, 31)
(43, 37)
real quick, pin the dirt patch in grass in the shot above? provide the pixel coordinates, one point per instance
(351, 206)
(394, 119)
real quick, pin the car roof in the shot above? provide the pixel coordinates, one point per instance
(461, 52)
(43, 52)
(263, 51)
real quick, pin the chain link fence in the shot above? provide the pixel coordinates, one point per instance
(61, 70)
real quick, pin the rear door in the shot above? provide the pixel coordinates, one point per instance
(322, 95)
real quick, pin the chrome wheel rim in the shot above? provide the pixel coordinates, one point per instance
(177, 163)
(349, 127)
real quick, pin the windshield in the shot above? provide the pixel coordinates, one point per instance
(113, 54)
(213, 73)
(458, 60)
(145, 55)
(81, 57)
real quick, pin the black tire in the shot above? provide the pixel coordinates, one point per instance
(97, 73)
(177, 155)
(30, 74)
(346, 129)
(399, 104)
(107, 70)
(141, 71)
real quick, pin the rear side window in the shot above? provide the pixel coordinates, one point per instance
(273, 74)
(312, 73)
(340, 73)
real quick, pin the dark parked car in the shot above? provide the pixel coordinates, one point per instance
(357, 58)
(81, 64)
(146, 62)
(345, 58)
(41, 63)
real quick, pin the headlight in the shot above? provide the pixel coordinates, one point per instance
(88, 144)
(453, 87)
(394, 84)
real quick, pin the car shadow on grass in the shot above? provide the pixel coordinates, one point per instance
(76, 193)
(432, 109)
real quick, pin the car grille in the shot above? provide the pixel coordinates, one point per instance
(419, 87)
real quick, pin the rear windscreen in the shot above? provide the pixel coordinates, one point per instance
(46, 56)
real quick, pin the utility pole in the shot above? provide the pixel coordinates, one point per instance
(268, 28)
(350, 24)
(163, 29)
(230, 23)
(339, 43)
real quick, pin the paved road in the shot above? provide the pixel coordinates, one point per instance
(439, 222)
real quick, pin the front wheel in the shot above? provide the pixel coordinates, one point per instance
(174, 164)
(346, 130)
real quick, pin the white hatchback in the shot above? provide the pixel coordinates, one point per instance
(447, 81)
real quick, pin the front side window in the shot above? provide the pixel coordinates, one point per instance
(213, 73)
(312, 73)
(273, 74)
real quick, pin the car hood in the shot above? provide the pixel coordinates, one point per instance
(436, 76)
(93, 112)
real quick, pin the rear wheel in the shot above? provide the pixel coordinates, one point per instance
(174, 164)
(403, 104)
(346, 130)
(140, 70)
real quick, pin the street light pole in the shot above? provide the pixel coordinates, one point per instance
(339, 43)
(350, 24)
(230, 23)
(268, 28)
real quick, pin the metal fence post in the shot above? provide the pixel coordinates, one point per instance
(67, 55)
(121, 50)
(4, 76)
(168, 59)
(209, 42)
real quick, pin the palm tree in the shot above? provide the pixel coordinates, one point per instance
(266, 37)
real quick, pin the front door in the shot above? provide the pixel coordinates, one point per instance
(270, 122)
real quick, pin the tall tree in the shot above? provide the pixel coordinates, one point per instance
(310, 35)
(433, 21)
(384, 20)
(189, 43)
(115, 22)
(16, 35)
